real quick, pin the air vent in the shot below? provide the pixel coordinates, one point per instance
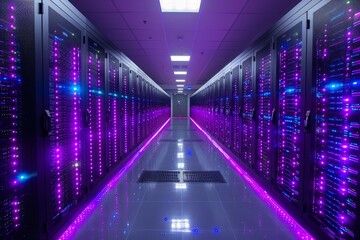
(203, 176)
(159, 176)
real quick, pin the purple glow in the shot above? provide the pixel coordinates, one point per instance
(79, 220)
(13, 117)
(296, 228)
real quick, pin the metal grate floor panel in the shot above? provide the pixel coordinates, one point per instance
(159, 176)
(204, 176)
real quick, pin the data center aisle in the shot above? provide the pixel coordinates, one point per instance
(156, 211)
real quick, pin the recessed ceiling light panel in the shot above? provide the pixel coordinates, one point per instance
(180, 58)
(180, 5)
(180, 80)
(180, 73)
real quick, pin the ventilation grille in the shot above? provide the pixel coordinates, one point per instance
(204, 176)
(159, 176)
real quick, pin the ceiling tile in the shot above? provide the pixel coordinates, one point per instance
(211, 35)
(216, 21)
(154, 45)
(119, 34)
(107, 20)
(127, 45)
(180, 21)
(269, 6)
(248, 21)
(158, 52)
(223, 6)
(143, 20)
(229, 45)
(202, 45)
(153, 35)
(137, 5)
(95, 6)
(239, 35)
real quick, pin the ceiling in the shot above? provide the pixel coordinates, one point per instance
(213, 37)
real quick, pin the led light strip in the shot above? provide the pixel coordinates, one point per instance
(100, 120)
(296, 228)
(88, 210)
(91, 132)
(76, 105)
(14, 145)
(57, 153)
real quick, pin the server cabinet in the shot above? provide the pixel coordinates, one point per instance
(125, 71)
(138, 110)
(222, 109)
(143, 109)
(132, 112)
(236, 110)
(228, 110)
(113, 115)
(247, 122)
(217, 109)
(65, 163)
(265, 113)
(18, 128)
(336, 77)
(96, 111)
(290, 83)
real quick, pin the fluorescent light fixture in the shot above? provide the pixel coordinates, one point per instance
(181, 165)
(180, 85)
(180, 144)
(180, 186)
(179, 58)
(180, 80)
(180, 225)
(180, 5)
(180, 73)
(180, 155)
(180, 92)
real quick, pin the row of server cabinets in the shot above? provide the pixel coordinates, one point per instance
(71, 112)
(289, 108)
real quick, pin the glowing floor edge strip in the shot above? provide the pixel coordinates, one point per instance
(295, 227)
(71, 230)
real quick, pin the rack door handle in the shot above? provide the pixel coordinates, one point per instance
(47, 123)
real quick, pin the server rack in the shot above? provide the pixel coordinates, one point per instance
(65, 161)
(221, 109)
(247, 123)
(236, 110)
(113, 115)
(132, 113)
(96, 111)
(217, 109)
(18, 133)
(138, 109)
(125, 71)
(228, 110)
(336, 126)
(265, 114)
(290, 82)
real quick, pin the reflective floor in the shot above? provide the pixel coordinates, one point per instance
(206, 211)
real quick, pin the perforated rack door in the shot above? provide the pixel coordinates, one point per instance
(138, 110)
(64, 88)
(336, 69)
(114, 126)
(11, 197)
(236, 111)
(132, 113)
(228, 110)
(264, 114)
(125, 109)
(221, 114)
(290, 101)
(96, 109)
(247, 124)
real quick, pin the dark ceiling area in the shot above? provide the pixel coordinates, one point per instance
(213, 37)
